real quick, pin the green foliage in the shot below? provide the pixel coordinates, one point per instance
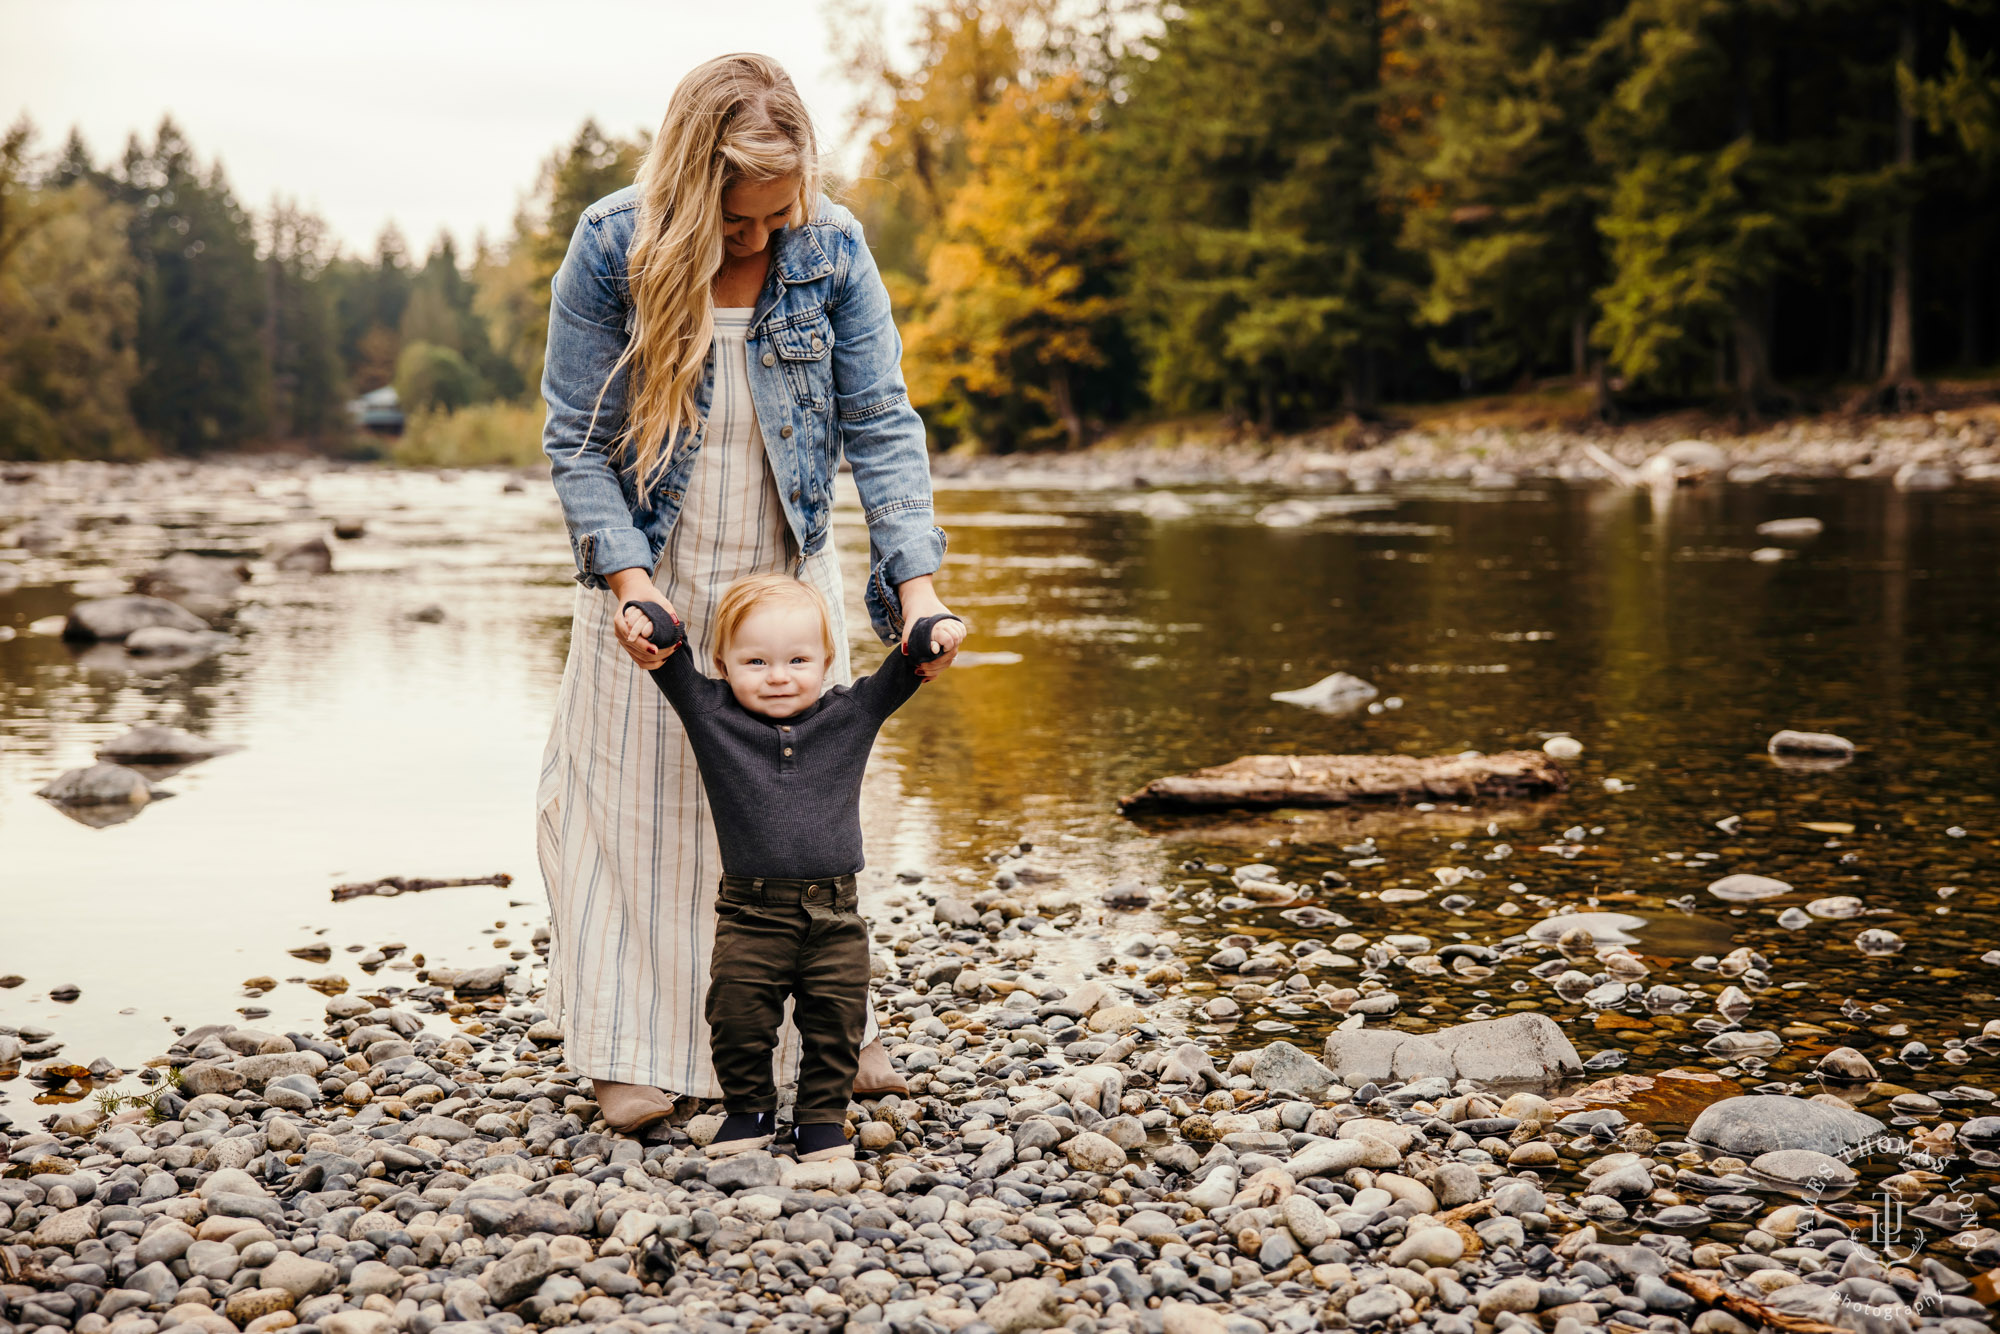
(308, 381)
(68, 316)
(203, 379)
(1489, 165)
(429, 376)
(1263, 271)
(485, 434)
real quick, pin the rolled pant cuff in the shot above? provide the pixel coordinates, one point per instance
(750, 1108)
(809, 1117)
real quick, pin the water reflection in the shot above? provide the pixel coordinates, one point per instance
(1119, 637)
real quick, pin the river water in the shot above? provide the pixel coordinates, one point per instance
(1119, 635)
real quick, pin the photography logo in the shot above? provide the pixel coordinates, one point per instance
(1900, 1227)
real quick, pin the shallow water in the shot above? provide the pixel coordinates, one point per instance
(1114, 647)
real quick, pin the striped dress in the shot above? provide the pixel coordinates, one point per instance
(623, 832)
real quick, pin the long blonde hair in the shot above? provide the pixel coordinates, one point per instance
(734, 118)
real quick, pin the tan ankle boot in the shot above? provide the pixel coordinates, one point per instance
(632, 1109)
(876, 1077)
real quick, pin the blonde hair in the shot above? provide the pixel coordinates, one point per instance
(735, 118)
(758, 591)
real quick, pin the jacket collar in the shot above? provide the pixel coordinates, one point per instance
(798, 256)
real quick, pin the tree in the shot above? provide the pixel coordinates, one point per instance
(1492, 171)
(1706, 196)
(1018, 300)
(203, 382)
(432, 377)
(1263, 274)
(68, 312)
(443, 310)
(369, 298)
(301, 344)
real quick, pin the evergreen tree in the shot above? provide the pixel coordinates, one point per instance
(301, 343)
(1492, 171)
(203, 382)
(1263, 274)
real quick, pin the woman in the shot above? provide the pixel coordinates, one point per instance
(718, 338)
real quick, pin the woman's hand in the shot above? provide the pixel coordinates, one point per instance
(919, 598)
(630, 624)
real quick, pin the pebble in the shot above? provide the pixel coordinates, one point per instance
(1065, 1169)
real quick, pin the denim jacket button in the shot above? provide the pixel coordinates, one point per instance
(770, 359)
(795, 493)
(784, 432)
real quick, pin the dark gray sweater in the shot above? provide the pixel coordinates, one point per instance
(785, 793)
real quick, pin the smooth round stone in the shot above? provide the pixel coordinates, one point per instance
(1837, 908)
(1681, 1218)
(1742, 888)
(1605, 928)
(1877, 943)
(1792, 919)
(1432, 1245)
(1804, 1172)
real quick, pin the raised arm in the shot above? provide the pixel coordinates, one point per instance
(587, 335)
(882, 436)
(890, 686)
(684, 685)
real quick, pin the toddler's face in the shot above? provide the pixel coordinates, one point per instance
(777, 662)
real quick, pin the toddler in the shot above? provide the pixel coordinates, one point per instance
(782, 764)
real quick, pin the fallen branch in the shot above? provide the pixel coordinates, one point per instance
(1338, 780)
(1711, 1293)
(396, 884)
(1465, 1211)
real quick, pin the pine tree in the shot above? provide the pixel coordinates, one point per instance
(1262, 271)
(203, 382)
(1492, 169)
(301, 343)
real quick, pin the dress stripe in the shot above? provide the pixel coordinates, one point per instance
(623, 834)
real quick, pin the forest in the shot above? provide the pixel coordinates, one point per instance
(1271, 212)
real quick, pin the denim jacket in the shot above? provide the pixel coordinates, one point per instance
(826, 375)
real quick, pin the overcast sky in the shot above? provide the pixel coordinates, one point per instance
(432, 113)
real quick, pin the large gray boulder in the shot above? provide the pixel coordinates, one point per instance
(1523, 1048)
(1755, 1124)
(1283, 1066)
(115, 618)
(1380, 1055)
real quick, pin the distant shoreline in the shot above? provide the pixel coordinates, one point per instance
(1922, 451)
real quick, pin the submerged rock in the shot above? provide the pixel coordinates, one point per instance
(1339, 693)
(150, 743)
(1742, 888)
(109, 619)
(1759, 1123)
(98, 785)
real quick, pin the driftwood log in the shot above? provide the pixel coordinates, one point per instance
(393, 885)
(1710, 1293)
(1337, 780)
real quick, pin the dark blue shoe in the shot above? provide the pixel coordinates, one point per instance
(821, 1142)
(742, 1131)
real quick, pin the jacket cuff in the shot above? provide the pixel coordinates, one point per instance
(922, 554)
(609, 550)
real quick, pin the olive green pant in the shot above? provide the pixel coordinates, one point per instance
(774, 939)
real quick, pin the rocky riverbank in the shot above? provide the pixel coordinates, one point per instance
(428, 1163)
(1922, 451)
